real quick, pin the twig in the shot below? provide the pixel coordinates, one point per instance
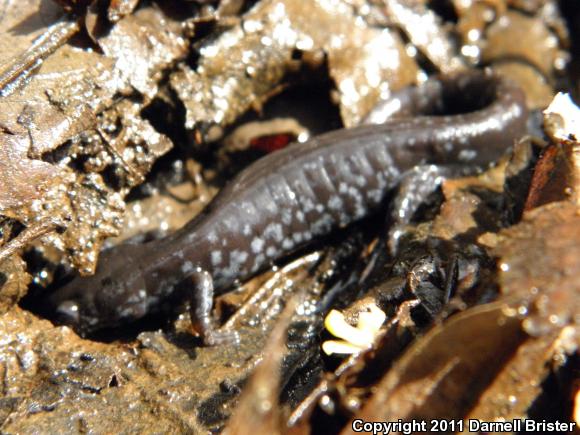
(33, 232)
(29, 60)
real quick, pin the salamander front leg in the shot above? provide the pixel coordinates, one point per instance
(414, 190)
(200, 312)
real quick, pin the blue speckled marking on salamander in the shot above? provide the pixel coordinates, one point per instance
(286, 199)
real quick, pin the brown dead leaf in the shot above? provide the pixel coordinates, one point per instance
(426, 31)
(441, 375)
(141, 45)
(14, 282)
(540, 47)
(246, 64)
(539, 262)
(74, 93)
(22, 180)
(556, 176)
(519, 383)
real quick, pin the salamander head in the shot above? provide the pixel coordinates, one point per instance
(115, 294)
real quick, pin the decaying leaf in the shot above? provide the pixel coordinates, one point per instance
(14, 281)
(442, 374)
(22, 180)
(250, 60)
(542, 50)
(259, 408)
(548, 289)
(426, 32)
(73, 98)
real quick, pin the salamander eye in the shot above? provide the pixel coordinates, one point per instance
(67, 313)
(107, 281)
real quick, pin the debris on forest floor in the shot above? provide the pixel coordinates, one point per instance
(119, 121)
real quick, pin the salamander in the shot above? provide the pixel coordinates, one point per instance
(288, 198)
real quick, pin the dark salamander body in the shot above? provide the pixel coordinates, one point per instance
(286, 199)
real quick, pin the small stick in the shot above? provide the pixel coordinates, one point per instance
(33, 232)
(26, 62)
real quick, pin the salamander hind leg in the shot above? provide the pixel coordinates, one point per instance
(202, 293)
